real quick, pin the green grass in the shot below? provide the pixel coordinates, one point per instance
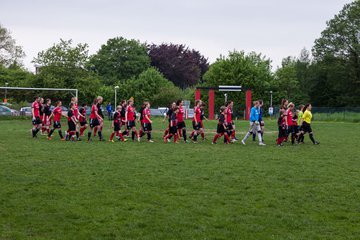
(102, 190)
(338, 116)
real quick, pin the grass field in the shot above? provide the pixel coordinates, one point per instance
(102, 190)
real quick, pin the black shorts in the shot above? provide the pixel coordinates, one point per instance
(147, 127)
(72, 126)
(220, 128)
(173, 130)
(94, 122)
(131, 124)
(36, 121)
(229, 126)
(57, 125)
(117, 127)
(181, 125)
(291, 129)
(196, 126)
(282, 132)
(306, 127)
(83, 123)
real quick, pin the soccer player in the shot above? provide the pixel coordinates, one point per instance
(46, 116)
(196, 121)
(57, 113)
(36, 121)
(168, 116)
(116, 124)
(229, 122)
(290, 123)
(141, 120)
(100, 113)
(72, 122)
(130, 120)
(82, 119)
(306, 124)
(76, 113)
(282, 128)
(202, 118)
(147, 121)
(95, 120)
(254, 124)
(180, 120)
(300, 114)
(173, 127)
(123, 117)
(221, 127)
(262, 123)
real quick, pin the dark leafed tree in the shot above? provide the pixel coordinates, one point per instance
(10, 53)
(179, 64)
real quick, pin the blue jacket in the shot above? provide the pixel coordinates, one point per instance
(254, 114)
(108, 107)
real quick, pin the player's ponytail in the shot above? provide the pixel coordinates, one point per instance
(305, 107)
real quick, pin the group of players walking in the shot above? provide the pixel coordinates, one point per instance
(125, 117)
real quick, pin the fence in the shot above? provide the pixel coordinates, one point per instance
(340, 114)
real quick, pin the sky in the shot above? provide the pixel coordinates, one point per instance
(275, 28)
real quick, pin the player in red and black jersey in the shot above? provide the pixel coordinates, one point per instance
(168, 116)
(72, 122)
(173, 127)
(57, 113)
(196, 121)
(181, 126)
(123, 117)
(202, 118)
(130, 120)
(141, 120)
(46, 116)
(82, 119)
(36, 121)
(222, 127)
(290, 123)
(282, 128)
(101, 115)
(95, 120)
(116, 124)
(76, 112)
(229, 119)
(146, 122)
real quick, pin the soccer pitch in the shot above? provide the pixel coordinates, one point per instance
(103, 190)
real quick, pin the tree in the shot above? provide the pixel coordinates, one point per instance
(10, 53)
(120, 59)
(286, 83)
(62, 66)
(179, 64)
(151, 86)
(63, 54)
(339, 48)
(248, 70)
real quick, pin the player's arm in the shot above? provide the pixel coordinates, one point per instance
(165, 117)
(73, 118)
(33, 112)
(98, 116)
(126, 114)
(147, 117)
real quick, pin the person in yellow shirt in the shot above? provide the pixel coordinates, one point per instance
(306, 124)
